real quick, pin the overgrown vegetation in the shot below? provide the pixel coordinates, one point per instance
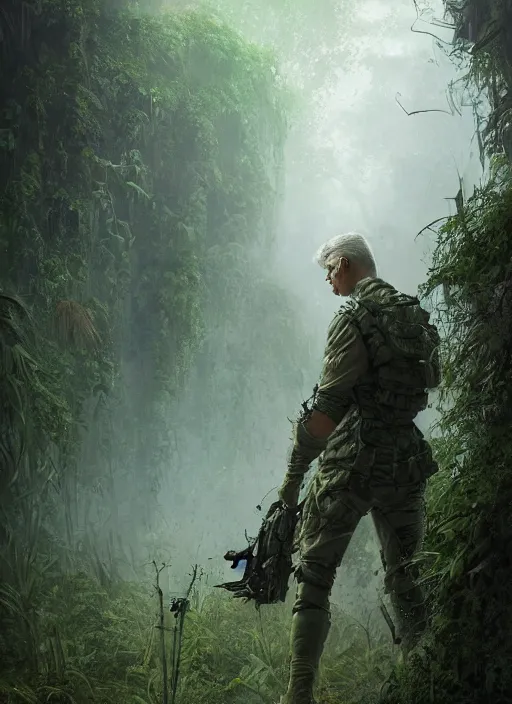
(140, 165)
(467, 559)
(467, 556)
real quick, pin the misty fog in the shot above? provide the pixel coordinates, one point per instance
(354, 161)
(170, 169)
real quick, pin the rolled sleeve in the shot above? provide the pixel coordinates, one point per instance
(345, 361)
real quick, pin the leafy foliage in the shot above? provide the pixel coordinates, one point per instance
(128, 164)
(467, 556)
(98, 642)
(140, 164)
(466, 563)
(483, 30)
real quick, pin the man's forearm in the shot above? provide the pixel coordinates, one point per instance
(306, 448)
(320, 425)
(310, 440)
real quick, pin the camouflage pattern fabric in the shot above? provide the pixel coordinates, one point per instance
(381, 358)
(330, 521)
(331, 515)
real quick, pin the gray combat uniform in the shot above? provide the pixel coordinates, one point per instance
(381, 358)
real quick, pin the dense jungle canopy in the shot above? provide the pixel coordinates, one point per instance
(142, 157)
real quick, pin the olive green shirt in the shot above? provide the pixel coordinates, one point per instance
(345, 362)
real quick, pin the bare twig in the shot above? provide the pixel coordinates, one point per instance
(161, 626)
(418, 112)
(179, 608)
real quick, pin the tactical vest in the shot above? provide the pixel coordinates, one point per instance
(403, 354)
(377, 437)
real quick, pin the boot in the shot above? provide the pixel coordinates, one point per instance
(310, 628)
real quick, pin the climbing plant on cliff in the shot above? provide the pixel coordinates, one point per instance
(466, 563)
(467, 559)
(132, 150)
(133, 146)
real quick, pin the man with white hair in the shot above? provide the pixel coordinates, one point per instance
(380, 361)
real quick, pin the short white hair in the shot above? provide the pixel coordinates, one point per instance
(351, 245)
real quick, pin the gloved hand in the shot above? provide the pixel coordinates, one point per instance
(305, 449)
(298, 465)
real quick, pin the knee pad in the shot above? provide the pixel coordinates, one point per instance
(309, 596)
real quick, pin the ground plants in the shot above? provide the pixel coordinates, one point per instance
(140, 164)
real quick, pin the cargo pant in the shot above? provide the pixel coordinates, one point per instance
(331, 515)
